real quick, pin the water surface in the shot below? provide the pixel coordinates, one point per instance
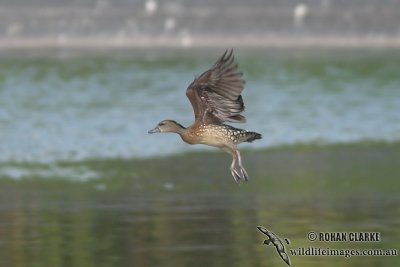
(82, 184)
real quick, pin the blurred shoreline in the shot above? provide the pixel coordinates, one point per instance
(345, 42)
(189, 23)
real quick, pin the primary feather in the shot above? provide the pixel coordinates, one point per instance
(216, 94)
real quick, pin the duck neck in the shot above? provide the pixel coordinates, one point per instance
(179, 129)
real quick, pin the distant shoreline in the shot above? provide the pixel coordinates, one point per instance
(199, 24)
(200, 42)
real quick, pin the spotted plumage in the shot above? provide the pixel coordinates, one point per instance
(216, 98)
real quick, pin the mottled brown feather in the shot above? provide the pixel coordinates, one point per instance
(216, 94)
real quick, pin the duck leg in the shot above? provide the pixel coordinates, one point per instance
(237, 170)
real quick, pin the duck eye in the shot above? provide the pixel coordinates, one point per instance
(161, 124)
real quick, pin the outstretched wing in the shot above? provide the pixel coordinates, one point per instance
(216, 94)
(285, 257)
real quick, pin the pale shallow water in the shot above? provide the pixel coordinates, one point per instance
(86, 107)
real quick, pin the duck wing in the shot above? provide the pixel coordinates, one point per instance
(216, 94)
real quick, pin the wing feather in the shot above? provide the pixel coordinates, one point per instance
(216, 94)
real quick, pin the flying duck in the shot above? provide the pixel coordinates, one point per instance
(216, 98)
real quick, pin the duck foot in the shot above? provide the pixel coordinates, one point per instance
(237, 170)
(239, 173)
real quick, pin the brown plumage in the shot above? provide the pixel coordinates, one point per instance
(216, 97)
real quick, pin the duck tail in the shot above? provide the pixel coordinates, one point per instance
(251, 136)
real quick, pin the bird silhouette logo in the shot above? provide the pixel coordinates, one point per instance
(274, 240)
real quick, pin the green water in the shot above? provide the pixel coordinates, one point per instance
(187, 211)
(82, 184)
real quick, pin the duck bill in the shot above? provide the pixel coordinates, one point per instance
(155, 130)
